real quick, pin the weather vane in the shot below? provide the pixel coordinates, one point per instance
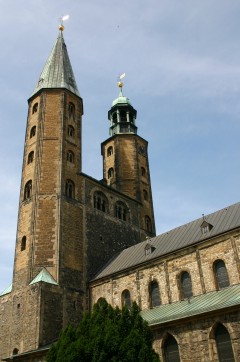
(120, 83)
(62, 19)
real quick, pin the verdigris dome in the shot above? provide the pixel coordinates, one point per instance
(121, 100)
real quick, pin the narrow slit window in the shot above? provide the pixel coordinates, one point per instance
(23, 243)
(32, 131)
(30, 157)
(35, 108)
(28, 190)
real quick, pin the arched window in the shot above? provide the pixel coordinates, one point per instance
(121, 211)
(143, 171)
(71, 111)
(110, 151)
(148, 224)
(126, 299)
(110, 172)
(71, 131)
(170, 348)
(23, 243)
(100, 201)
(145, 195)
(28, 190)
(224, 345)
(154, 294)
(30, 157)
(70, 156)
(185, 285)
(221, 275)
(35, 108)
(15, 351)
(33, 131)
(70, 189)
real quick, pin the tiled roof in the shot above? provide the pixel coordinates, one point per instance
(173, 240)
(44, 276)
(200, 304)
(57, 72)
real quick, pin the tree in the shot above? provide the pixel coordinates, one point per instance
(107, 335)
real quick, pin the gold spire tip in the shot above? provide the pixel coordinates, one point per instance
(61, 27)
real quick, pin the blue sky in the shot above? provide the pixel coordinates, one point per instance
(183, 77)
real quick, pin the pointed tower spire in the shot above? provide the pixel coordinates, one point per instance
(57, 72)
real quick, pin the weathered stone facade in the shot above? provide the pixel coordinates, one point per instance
(194, 334)
(72, 228)
(69, 224)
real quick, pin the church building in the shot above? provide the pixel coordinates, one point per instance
(80, 239)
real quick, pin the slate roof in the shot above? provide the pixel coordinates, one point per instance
(57, 72)
(181, 237)
(200, 304)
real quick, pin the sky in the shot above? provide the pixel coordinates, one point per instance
(181, 60)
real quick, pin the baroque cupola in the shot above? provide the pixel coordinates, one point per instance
(122, 115)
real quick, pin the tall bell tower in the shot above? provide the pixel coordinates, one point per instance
(49, 286)
(49, 193)
(125, 160)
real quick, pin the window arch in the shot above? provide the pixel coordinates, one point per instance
(171, 351)
(121, 210)
(71, 111)
(221, 275)
(71, 131)
(70, 189)
(30, 157)
(126, 299)
(35, 108)
(154, 294)
(33, 131)
(185, 285)
(148, 224)
(28, 190)
(143, 171)
(110, 151)
(70, 156)
(110, 172)
(145, 195)
(224, 345)
(100, 201)
(23, 243)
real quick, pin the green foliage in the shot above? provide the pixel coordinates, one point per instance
(107, 335)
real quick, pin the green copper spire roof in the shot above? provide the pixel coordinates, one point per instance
(57, 72)
(121, 99)
(44, 276)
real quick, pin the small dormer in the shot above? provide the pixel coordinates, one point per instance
(205, 226)
(149, 249)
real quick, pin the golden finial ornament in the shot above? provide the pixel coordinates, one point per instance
(120, 83)
(62, 19)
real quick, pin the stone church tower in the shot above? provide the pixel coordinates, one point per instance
(69, 224)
